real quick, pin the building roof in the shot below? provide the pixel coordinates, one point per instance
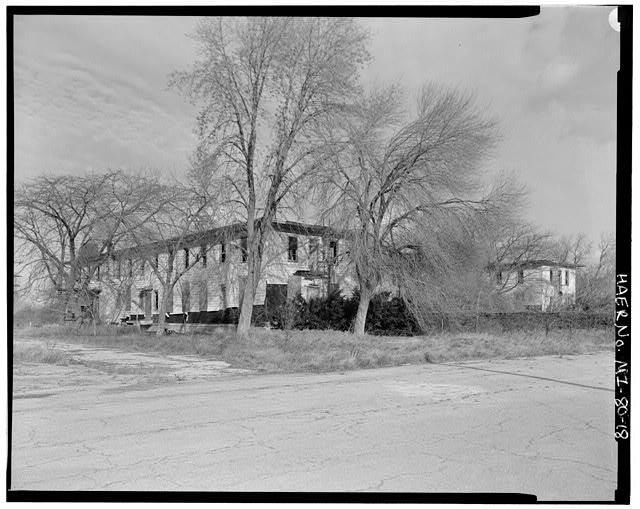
(531, 264)
(227, 233)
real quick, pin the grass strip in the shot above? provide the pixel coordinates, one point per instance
(322, 351)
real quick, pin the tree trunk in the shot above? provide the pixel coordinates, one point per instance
(361, 316)
(248, 295)
(255, 238)
(62, 304)
(162, 311)
(246, 310)
(161, 319)
(168, 283)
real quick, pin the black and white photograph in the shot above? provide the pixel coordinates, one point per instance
(319, 254)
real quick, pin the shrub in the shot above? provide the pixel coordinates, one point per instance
(385, 316)
(333, 312)
(390, 316)
(288, 315)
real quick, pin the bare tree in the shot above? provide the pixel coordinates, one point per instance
(595, 285)
(265, 83)
(177, 220)
(510, 244)
(439, 277)
(64, 226)
(401, 186)
(571, 249)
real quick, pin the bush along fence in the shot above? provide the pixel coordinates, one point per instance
(517, 321)
(390, 316)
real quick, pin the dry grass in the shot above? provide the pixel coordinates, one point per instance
(46, 353)
(69, 331)
(517, 344)
(129, 339)
(321, 351)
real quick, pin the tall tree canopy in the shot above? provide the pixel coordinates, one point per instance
(64, 226)
(408, 189)
(263, 84)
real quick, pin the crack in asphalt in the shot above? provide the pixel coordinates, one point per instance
(552, 458)
(262, 442)
(576, 384)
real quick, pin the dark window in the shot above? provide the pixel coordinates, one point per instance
(333, 249)
(566, 277)
(243, 248)
(276, 296)
(551, 275)
(157, 263)
(186, 297)
(203, 254)
(499, 278)
(155, 300)
(171, 259)
(98, 272)
(223, 252)
(292, 252)
(521, 276)
(186, 257)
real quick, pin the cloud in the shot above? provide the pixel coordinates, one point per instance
(73, 111)
(559, 73)
(578, 56)
(92, 92)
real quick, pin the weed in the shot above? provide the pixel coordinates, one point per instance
(320, 351)
(45, 354)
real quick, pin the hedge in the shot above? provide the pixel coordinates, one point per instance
(390, 316)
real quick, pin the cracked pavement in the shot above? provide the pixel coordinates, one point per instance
(542, 426)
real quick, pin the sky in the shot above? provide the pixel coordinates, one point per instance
(90, 93)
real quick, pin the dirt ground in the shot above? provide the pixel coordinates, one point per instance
(91, 366)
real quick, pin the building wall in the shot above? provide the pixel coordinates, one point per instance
(314, 256)
(223, 282)
(534, 288)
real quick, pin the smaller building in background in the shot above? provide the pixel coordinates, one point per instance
(537, 285)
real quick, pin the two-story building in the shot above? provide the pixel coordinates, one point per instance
(299, 259)
(537, 284)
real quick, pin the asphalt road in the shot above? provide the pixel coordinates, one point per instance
(542, 426)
